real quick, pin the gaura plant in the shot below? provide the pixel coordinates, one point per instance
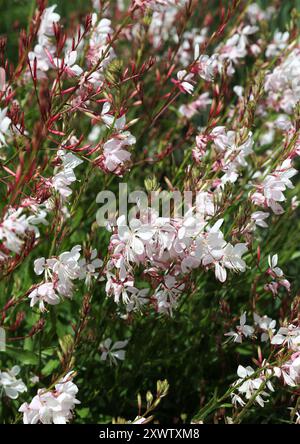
(149, 229)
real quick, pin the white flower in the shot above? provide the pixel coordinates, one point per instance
(59, 273)
(232, 257)
(273, 186)
(134, 235)
(98, 44)
(167, 294)
(259, 218)
(10, 384)
(266, 324)
(68, 64)
(256, 14)
(233, 149)
(184, 81)
(280, 42)
(288, 336)
(44, 293)
(4, 126)
(16, 226)
(38, 217)
(13, 229)
(43, 62)
(52, 406)
(190, 109)
(115, 155)
(137, 299)
(113, 351)
(242, 330)
(206, 67)
(290, 370)
(110, 120)
(44, 45)
(66, 176)
(239, 90)
(49, 17)
(66, 268)
(159, 243)
(248, 386)
(282, 85)
(88, 267)
(273, 261)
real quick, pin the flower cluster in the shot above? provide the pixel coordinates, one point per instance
(248, 386)
(168, 249)
(59, 274)
(52, 406)
(270, 192)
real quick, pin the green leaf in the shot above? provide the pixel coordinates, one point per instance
(244, 351)
(50, 367)
(26, 357)
(83, 413)
(295, 255)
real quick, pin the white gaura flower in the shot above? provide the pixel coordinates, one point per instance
(137, 298)
(69, 160)
(66, 265)
(118, 287)
(44, 46)
(290, 370)
(115, 154)
(110, 120)
(242, 330)
(212, 245)
(279, 43)
(215, 250)
(207, 66)
(49, 17)
(4, 126)
(282, 84)
(38, 217)
(13, 229)
(10, 384)
(248, 386)
(66, 176)
(273, 261)
(16, 226)
(52, 406)
(271, 191)
(42, 60)
(259, 218)
(66, 269)
(256, 14)
(184, 81)
(232, 258)
(190, 109)
(239, 90)
(59, 272)
(68, 64)
(167, 293)
(44, 293)
(134, 235)
(288, 336)
(158, 243)
(113, 351)
(61, 182)
(98, 43)
(88, 267)
(266, 324)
